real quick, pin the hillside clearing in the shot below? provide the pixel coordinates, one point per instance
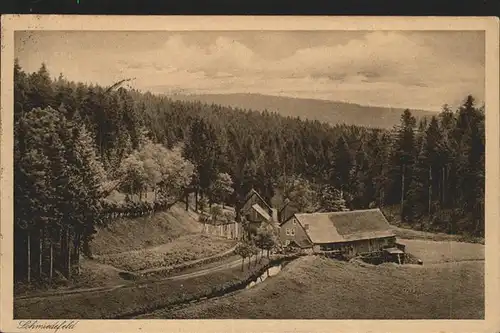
(127, 234)
(442, 252)
(408, 233)
(182, 249)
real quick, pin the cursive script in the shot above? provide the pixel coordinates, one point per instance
(55, 326)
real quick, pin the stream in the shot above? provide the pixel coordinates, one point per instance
(271, 271)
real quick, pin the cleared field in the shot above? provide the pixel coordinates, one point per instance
(320, 288)
(417, 234)
(180, 250)
(129, 234)
(440, 252)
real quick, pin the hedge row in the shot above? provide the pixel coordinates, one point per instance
(192, 264)
(112, 209)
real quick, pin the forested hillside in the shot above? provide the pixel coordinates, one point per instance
(331, 112)
(74, 143)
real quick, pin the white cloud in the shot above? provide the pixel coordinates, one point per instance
(380, 68)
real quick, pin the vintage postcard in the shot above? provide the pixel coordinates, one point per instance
(255, 174)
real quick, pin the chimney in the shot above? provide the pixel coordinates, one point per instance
(274, 214)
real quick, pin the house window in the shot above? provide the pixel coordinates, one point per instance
(292, 232)
(288, 231)
(294, 222)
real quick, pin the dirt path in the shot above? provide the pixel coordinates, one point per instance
(199, 272)
(160, 269)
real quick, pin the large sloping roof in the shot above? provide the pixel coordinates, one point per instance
(262, 212)
(254, 192)
(345, 226)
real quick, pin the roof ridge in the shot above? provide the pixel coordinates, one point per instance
(342, 212)
(252, 190)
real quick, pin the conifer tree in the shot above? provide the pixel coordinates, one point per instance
(405, 154)
(342, 164)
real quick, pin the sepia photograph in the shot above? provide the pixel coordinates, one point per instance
(333, 174)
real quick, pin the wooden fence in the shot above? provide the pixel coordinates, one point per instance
(227, 230)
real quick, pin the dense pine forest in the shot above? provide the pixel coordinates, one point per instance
(75, 143)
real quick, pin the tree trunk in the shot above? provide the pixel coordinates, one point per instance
(444, 186)
(382, 198)
(77, 245)
(29, 257)
(51, 267)
(268, 253)
(187, 201)
(196, 200)
(40, 254)
(68, 249)
(430, 190)
(402, 192)
(242, 264)
(60, 255)
(249, 261)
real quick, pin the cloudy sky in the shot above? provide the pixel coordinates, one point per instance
(399, 69)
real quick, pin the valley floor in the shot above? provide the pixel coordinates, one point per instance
(450, 285)
(138, 297)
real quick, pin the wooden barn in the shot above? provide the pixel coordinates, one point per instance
(348, 232)
(256, 210)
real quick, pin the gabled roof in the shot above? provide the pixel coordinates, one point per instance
(345, 226)
(261, 212)
(254, 192)
(302, 243)
(287, 203)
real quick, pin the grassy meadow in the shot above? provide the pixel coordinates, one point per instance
(136, 298)
(128, 234)
(183, 249)
(321, 288)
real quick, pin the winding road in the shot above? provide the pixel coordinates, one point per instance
(229, 263)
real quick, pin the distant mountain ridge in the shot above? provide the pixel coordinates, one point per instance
(331, 112)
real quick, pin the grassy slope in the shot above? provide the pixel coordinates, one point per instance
(326, 289)
(124, 237)
(137, 297)
(182, 249)
(131, 244)
(129, 234)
